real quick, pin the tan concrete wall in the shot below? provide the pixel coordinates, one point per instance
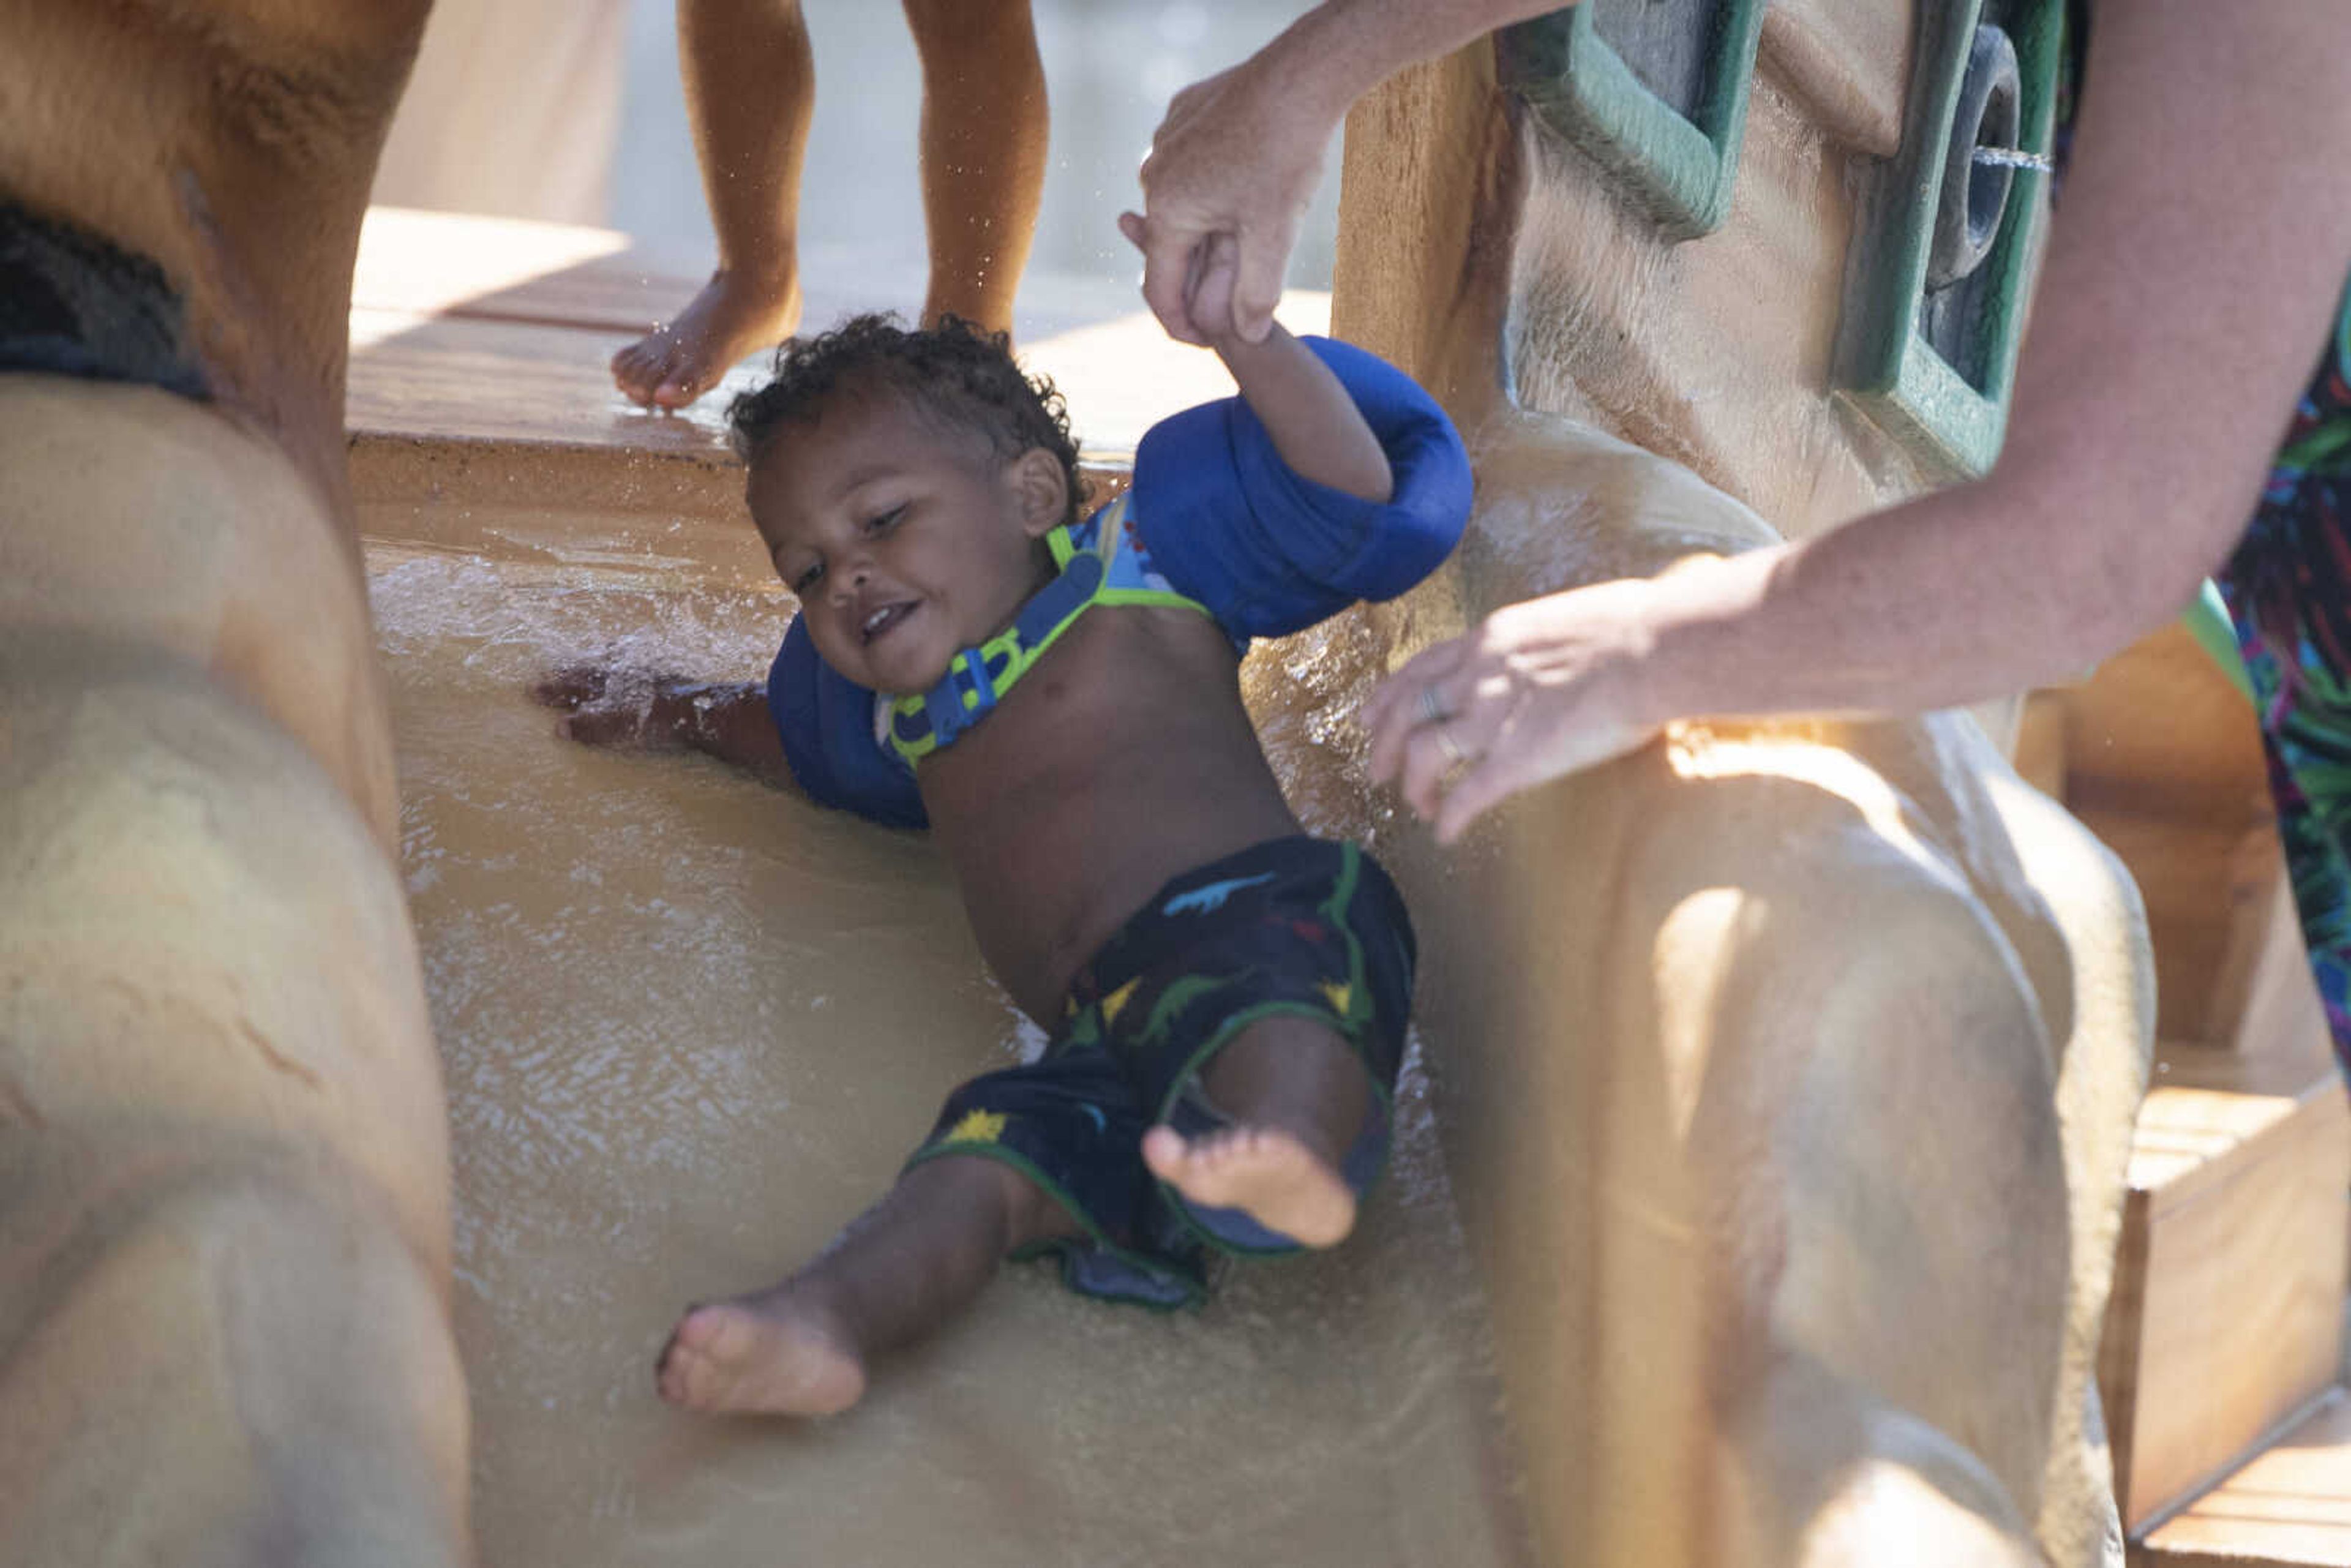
(1786, 1072)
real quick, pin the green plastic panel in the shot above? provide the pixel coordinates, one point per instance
(1952, 416)
(1675, 160)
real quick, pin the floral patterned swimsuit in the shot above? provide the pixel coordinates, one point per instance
(2287, 586)
(2288, 589)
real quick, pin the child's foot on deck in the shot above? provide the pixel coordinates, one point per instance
(1268, 1173)
(776, 1353)
(679, 361)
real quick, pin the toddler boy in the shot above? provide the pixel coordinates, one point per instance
(1059, 700)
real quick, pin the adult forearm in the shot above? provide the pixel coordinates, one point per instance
(1342, 48)
(2197, 258)
(2194, 264)
(1969, 594)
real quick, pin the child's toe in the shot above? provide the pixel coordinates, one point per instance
(705, 1328)
(632, 363)
(1164, 1151)
(673, 1376)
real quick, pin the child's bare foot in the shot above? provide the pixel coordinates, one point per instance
(1295, 1096)
(1268, 1173)
(676, 363)
(778, 1353)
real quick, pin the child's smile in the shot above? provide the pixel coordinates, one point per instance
(887, 618)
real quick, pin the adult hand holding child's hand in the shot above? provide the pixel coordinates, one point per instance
(1239, 154)
(1210, 280)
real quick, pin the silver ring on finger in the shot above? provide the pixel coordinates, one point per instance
(1434, 711)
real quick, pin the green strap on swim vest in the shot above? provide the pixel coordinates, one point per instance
(977, 678)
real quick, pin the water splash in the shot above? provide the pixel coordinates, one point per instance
(516, 627)
(2012, 158)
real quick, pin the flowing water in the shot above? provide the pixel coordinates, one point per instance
(691, 1024)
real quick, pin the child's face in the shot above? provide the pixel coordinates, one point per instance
(907, 542)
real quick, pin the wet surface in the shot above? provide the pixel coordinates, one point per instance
(691, 1024)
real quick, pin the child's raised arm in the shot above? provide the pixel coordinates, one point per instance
(1314, 423)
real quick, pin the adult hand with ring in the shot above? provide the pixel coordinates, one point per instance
(1536, 690)
(1435, 716)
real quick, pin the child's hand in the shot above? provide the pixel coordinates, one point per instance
(572, 687)
(596, 710)
(1212, 273)
(729, 720)
(1209, 288)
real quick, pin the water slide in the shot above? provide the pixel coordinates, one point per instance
(1762, 1153)
(689, 1025)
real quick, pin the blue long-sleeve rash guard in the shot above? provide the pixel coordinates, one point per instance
(1229, 523)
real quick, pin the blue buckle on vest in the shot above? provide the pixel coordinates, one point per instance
(962, 696)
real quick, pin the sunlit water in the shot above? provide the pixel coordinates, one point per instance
(690, 1024)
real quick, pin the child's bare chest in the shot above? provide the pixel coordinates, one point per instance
(1123, 759)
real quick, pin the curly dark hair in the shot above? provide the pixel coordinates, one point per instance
(955, 372)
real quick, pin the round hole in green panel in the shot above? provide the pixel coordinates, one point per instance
(1990, 113)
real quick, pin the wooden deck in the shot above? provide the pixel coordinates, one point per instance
(476, 338)
(2291, 1505)
(2226, 1318)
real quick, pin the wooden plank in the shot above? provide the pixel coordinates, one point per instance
(2226, 1315)
(2039, 752)
(2280, 1016)
(476, 339)
(2290, 1505)
(419, 377)
(449, 402)
(2159, 731)
(432, 376)
(600, 280)
(454, 264)
(521, 388)
(2209, 1112)
(2209, 884)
